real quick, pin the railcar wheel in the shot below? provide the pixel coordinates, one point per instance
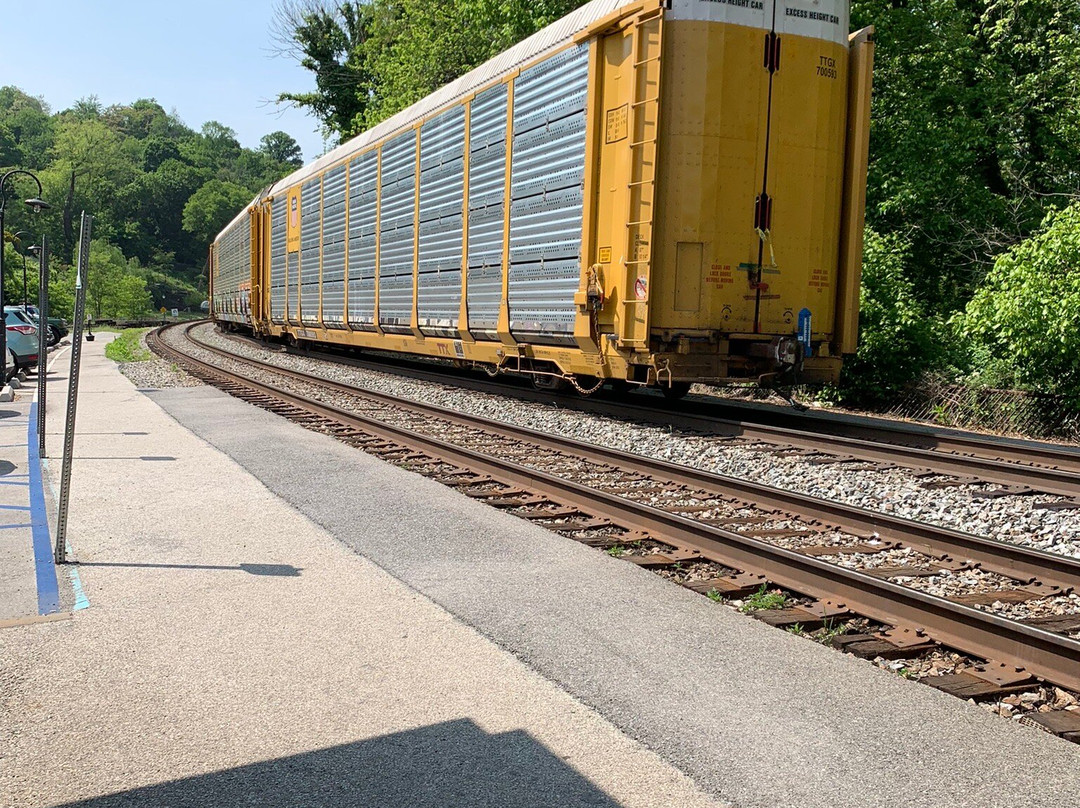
(549, 384)
(675, 390)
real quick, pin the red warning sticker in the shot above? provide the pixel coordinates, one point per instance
(641, 288)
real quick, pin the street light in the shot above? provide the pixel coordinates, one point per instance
(36, 204)
(34, 250)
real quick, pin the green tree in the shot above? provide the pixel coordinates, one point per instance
(372, 59)
(281, 147)
(212, 207)
(94, 163)
(26, 130)
(329, 40)
(898, 337)
(1024, 320)
(975, 129)
(417, 46)
(113, 287)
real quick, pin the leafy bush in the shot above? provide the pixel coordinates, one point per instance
(898, 338)
(1024, 320)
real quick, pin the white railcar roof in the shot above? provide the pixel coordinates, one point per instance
(553, 36)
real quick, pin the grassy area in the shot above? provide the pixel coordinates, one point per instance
(128, 346)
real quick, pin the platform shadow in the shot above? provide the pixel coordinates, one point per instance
(274, 570)
(452, 764)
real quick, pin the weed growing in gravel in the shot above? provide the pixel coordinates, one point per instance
(764, 600)
(616, 551)
(797, 629)
(825, 634)
(715, 595)
(128, 346)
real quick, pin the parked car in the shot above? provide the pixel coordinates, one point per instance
(22, 338)
(58, 326)
(12, 365)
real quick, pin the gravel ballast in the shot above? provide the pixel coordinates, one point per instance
(894, 491)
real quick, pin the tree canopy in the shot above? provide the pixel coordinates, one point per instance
(372, 58)
(159, 190)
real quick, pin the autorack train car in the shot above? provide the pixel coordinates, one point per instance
(653, 192)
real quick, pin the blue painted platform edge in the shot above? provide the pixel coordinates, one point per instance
(81, 600)
(47, 587)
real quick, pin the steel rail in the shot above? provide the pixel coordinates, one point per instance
(1011, 560)
(1038, 466)
(883, 430)
(1051, 656)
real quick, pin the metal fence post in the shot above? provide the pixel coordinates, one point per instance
(43, 341)
(60, 554)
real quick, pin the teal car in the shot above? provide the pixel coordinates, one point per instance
(22, 339)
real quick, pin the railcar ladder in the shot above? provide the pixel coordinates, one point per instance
(644, 124)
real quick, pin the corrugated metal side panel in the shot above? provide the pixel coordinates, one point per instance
(487, 188)
(442, 188)
(547, 196)
(232, 269)
(310, 206)
(549, 157)
(533, 287)
(546, 227)
(277, 260)
(244, 277)
(552, 89)
(292, 299)
(395, 303)
(333, 247)
(442, 139)
(221, 272)
(439, 281)
(396, 233)
(362, 200)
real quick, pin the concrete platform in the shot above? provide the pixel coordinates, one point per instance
(235, 653)
(30, 588)
(244, 645)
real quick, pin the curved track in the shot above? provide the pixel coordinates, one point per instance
(750, 533)
(1019, 466)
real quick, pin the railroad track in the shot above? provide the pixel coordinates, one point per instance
(729, 536)
(1018, 467)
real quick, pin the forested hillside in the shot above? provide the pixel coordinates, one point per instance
(972, 270)
(159, 192)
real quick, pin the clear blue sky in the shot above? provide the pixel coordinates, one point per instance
(205, 59)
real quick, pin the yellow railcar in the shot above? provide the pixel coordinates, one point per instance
(657, 192)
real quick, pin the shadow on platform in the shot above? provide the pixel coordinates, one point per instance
(443, 765)
(279, 570)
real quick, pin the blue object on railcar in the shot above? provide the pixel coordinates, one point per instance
(804, 332)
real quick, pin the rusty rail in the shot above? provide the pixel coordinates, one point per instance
(1041, 467)
(1051, 656)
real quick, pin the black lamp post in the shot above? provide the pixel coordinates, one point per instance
(18, 237)
(35, 251)
(36, 204)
